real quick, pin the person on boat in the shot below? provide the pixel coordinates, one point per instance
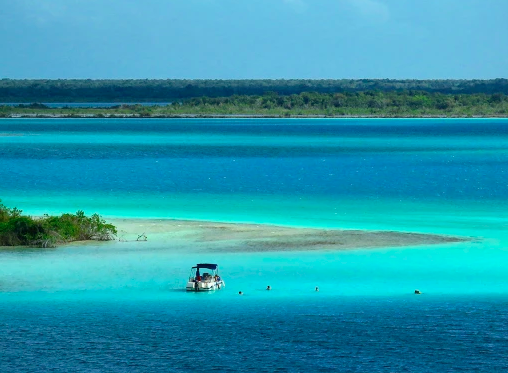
(198, 275)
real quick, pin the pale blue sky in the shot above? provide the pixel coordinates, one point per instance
(240, 39)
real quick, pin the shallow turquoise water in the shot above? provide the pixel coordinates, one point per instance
(120, 306)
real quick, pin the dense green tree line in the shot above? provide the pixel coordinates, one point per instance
(17, 229)
(394, 101)
(168, 90)
(371, 103)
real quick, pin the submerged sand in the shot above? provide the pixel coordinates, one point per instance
(235, 237)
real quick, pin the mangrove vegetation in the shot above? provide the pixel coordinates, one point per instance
(17, 229)
(409, 103)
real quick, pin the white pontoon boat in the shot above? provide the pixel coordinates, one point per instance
(206, 281)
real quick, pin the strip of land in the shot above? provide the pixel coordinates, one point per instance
(233, 237)
(368, 104)
(246, 116)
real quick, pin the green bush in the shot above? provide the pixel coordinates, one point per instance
(48, 231)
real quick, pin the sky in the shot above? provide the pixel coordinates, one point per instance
(254, 39)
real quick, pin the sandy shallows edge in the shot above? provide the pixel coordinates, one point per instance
(239, 237)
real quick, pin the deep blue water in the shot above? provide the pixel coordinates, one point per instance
(410, 159)
(318, 335)
(120, 307)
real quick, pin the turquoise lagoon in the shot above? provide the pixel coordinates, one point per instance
(119, 306)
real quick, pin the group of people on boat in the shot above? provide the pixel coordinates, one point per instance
(206, 276)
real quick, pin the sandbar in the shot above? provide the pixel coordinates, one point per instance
(239, 237)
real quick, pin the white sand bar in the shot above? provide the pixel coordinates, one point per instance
(234, 237)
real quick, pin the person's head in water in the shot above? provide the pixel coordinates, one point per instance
(317, 289)
(240, 293)
(268, 287)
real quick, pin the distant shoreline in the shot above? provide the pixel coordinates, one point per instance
(278, 104)
(240, 116)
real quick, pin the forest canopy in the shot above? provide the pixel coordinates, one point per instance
(370, 103)
(144, 90)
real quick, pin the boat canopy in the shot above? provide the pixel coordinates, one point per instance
(207, 266)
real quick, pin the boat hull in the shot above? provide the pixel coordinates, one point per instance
(204, 286)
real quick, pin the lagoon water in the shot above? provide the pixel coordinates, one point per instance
(119, 306)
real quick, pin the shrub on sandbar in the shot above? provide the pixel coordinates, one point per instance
(48, 231)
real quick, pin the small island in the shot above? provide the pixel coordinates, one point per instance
(47, 231)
